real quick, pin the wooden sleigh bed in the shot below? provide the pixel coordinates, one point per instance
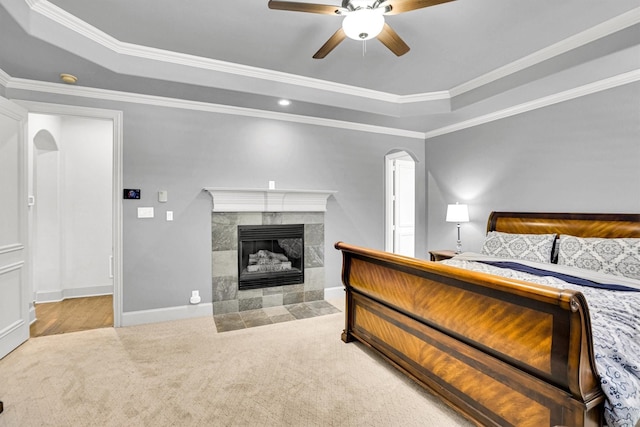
(500, 351)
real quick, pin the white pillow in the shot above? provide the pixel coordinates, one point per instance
(530, 247)
(620, 257)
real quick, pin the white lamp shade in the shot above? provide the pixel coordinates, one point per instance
(363, 24)
(457, 213)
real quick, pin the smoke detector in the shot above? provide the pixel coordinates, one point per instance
(68, 78)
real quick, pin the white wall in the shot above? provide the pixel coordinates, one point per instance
(87, 200)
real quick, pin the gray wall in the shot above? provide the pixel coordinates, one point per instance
(183, 151)
(581, 155)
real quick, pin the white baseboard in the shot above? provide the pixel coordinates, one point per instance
(32, 313)
(156, 315)
(334, 293)
(61, 294)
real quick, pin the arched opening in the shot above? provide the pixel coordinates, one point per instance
(400, 203)
(43, 140)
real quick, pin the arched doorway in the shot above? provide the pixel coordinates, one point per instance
(400, 203)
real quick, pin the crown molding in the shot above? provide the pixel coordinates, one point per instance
(71, 22)
(425, 97)
(587, 89)
(46, 21)
(159, 101)
(109, 95)
(4, 78)
(590, 35)
(16, 112)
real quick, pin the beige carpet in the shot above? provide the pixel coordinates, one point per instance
(297, 373)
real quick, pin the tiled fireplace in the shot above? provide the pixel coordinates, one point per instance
(258, 208)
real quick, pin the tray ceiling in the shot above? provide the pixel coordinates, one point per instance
(467, 57)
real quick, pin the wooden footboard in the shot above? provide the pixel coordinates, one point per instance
(502, 352)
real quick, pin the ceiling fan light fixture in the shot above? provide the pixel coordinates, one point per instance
(363, 24)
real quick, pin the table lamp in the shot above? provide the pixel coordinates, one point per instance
(458, 213)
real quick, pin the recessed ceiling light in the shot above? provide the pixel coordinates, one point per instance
(284, 102)
(68, 78)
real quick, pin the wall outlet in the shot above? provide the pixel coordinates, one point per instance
(195, 297)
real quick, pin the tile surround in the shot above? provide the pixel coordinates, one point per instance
(224, 262)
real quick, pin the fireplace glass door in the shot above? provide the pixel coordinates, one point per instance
(270, 255)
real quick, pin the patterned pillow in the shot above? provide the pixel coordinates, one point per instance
(530, 247)
(611, 256)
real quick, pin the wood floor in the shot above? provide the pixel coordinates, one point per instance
(72, 315)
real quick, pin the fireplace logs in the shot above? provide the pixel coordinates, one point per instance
(264, 260)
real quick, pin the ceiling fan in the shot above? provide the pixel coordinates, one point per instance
(363, 20)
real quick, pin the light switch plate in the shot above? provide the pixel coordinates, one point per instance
(145, 212)
(169, 215)
(162, 196)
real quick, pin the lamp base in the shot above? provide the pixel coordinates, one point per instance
(459, 242)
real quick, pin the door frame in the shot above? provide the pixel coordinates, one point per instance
(117, 119)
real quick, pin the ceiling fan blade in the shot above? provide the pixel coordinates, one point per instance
(392, 40)
(401, 6)
(333, 41)
(324, 9)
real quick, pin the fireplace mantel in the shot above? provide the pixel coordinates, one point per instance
(268, 200)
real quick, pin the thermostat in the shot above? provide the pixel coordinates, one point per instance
(131, 193)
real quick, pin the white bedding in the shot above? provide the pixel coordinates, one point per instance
(615, 324)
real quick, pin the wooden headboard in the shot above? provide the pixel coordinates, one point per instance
(621, 225)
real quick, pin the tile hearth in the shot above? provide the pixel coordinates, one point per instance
(270, 315)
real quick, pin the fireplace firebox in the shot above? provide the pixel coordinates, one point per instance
(270, 255)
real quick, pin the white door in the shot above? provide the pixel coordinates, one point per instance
(404, 192)
(14, 287)
(400, 203)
